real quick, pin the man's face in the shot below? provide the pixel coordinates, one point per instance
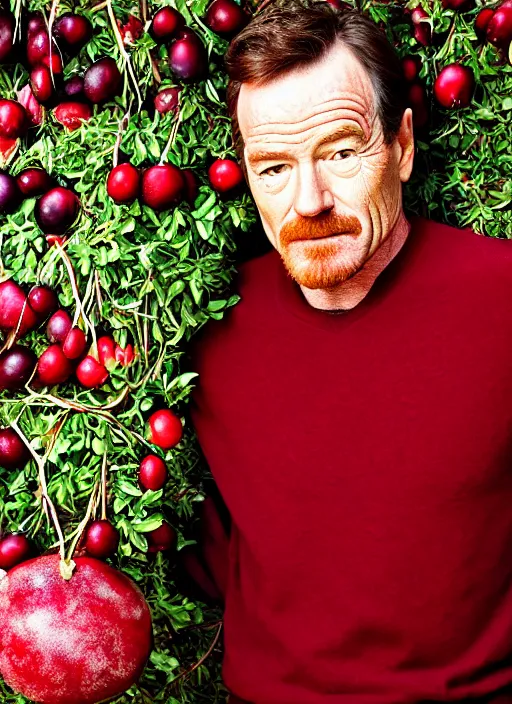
(327, 188)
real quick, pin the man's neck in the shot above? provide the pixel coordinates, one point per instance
(348, 294)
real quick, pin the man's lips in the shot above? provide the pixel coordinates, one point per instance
(324, 237)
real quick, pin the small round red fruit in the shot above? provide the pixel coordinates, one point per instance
(7, 23)
(34, 182)
(13, 307)
(56, 211)
(188, 58)
(38, 46)
(165, 428)
(166, 23)
(74, 344)
(499, 29)
(160, 539)
(53, 62)
(59, 326)
(71, 114)
(225, 17)
(411, 66)
(90, 373)
(10, 194)
(225, 174)
(43, 301)
(53, 366)
(17, 365)
(454, 86)
(102, 81)
(72, 31)
(152, 472)
(106, 350)
(162, 186)
(13, 451)
(123, 183)
(74, 87)
(482, 20)
(41, 83)
(13, 119)
(167, 100)
(422, 29)
(102, 539)
(13, 550)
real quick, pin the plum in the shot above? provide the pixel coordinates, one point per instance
(167, 100)
(166, 23)
(102, 81)
(101, 539)
(43, 301)
(59, 326)
(41, 83)
(13, 303)
(13, 550)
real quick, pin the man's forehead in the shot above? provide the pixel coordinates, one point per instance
(300, 98)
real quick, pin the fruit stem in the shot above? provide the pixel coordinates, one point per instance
(53, 12)
(122, 125)
(172, 136)
(84, 522)
(203, 658)
(42, 480)
(123, 51)
(104, 487)
(79, 310)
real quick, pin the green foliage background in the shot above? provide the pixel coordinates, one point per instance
(156, 279)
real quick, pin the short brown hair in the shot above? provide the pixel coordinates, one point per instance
(292, 33)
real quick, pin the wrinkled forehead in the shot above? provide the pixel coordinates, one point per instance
(334, 87)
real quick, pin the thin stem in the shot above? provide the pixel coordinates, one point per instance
(123, 51)
(83, 523)
(104, 487)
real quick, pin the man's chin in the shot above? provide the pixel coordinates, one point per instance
(319, 275)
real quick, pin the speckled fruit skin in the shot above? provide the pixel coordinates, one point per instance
(225, 174)
(166, 429)
(162, 186)
(90, 636)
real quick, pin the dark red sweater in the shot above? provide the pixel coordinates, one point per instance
(366, 461)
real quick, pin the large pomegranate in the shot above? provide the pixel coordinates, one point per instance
(90, 636)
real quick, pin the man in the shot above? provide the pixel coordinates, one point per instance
(354, 407)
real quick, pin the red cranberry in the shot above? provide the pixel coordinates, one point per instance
(123, 183)
(16, 367)
(167, 100)
(482, 20)
(34, 182)
(152, 473)
(36, 23)
(53, 62)
(106, 350)
(13, 451)
(90, 373)
(13, 305)
(13, 550)
(162, 186)
(166, 429)
(6, 34)
(10, 194)
(38, 46)
(56, 211)
(160, 539)
(102, 539)
(71, 114)
(43, 301)
(72, 31)
(499, 29)
(13, 119)
(74, 344)
(102, 81)
(53, 366)
(187, 58)
(225, 174)
(41, 83)
(225, 17)
(166, 23)
(59, 326)
(453, 87)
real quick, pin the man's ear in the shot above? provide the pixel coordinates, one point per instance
(405, 141)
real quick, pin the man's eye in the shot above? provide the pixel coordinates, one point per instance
(273, 170)
(343, 154)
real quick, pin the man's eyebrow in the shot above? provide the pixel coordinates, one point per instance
(340, 133)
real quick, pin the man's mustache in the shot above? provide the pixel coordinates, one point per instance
(321, 226)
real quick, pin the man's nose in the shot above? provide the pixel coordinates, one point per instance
(312, 195)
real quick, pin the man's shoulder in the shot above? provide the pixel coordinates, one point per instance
(462, 251)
